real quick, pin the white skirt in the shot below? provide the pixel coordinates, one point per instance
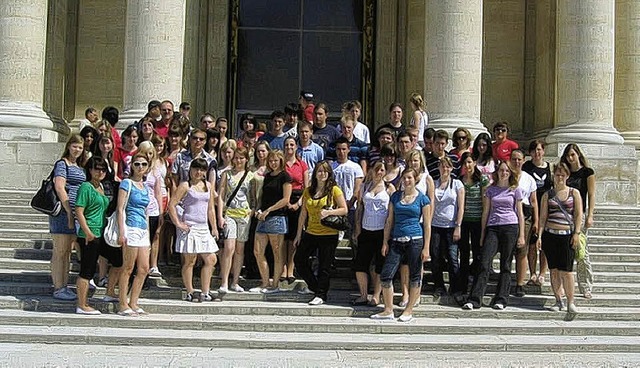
(197, 240)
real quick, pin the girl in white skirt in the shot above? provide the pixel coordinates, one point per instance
(193, 236)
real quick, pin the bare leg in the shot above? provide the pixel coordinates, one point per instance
(521, 267)
(532, 258)
(103, 267)
(387, 295)
(114, 277)
(60, 259)
(155, 246)
(363, 284)
(226, 261)
(556, 284)
(404, 281)
(568, 283)
(291, 252)
(209, 260)
(377, 288)
(83, 289)
(414, 295)
(129, 256)
(238, 261)
(188, 261)
(142, 261)
(277, 244)
(544, 265)
(260, 244)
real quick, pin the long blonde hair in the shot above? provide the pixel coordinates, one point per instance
(147, 149)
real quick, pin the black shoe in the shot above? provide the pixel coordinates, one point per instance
(519, 291)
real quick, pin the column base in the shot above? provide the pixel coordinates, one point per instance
(450, 124)
(28, 122)
(129, 117)
(632, 138)
(588, 132)
(616, 168)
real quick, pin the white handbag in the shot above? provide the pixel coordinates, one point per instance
(111, 230)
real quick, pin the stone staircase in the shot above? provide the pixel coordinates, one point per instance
(608, 323)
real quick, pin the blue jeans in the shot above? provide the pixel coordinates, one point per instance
(411, 251)
(501, 239)
(442, 246)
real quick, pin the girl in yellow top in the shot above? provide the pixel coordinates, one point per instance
(317, 236)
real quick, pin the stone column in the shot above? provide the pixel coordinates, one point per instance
(154, 47)
(627, 71)
(585, 72)
(23, 26)
(453, 67)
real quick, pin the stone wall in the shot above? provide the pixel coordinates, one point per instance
(23, 165)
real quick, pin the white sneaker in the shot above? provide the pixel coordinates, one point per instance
(256, 289)
(468, 306)
(316, 301)
(383, 317)
(155, 272)
(571, 309)
(92, 285)
(103, 282)
(237, 288)
(223, 290)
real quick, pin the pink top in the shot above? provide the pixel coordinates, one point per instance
(196, 205)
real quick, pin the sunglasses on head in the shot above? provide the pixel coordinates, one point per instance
(140, 164)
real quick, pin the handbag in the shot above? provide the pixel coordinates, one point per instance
(581, 248)
(340, 223)
(111, 230)
(46, 199)
(228, 203)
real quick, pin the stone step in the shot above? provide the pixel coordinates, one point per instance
(290, 308)
(30, 264)
(29, 234)
(618, 231)
(23, 208)
(16, 194)
(309, 340)
(615, 224)
(324, 325)
(614, 257)
(614, 248)
(12, 243)
(26, 202)
(616, 210)
(621, 267)
(24, 225)
(24, 217)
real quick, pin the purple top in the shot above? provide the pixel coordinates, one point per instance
(196, 205)
(503, 205)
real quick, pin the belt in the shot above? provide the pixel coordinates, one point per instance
(557, 232)
(406, 239)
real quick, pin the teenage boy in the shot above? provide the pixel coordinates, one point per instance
(275, 137)
(503, 146)
(306, 103)
(348, 175)
(291, 119)
(440, 141)
(310, 152)
(395, 120)
(357, 149)
(383, 136)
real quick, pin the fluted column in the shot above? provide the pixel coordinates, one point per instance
(23, 31)
(585, 72)
(627, 71)
(153, 54)
(453, 67)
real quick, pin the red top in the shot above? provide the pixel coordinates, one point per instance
(162, 129)
(123, 158)
(117, 141)
(296, 172)
(502, 151)
(308, 113)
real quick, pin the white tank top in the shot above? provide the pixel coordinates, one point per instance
(376, 208)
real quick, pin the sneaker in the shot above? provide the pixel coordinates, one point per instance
(519, 291)
(155, 272)
(558, 306)
(270, 290)
(405, 318)
(498, 306)
(64, 294)
(92, 285)
(256, 289)
(190, 298)
(305, 291)
(110, 299)
(237, 288)
(571, 308)
(206, 297)
(103, 282)
(316, 301)
(468, 306)
(223, 290)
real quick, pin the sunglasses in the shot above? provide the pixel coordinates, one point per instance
(199, 139)
(140, 164)
(500, 130)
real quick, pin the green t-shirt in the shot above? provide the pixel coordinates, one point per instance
(95, 205)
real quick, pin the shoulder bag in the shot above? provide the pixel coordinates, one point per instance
(46, 199)
(221, 232)
(111, 230)
(340, 223)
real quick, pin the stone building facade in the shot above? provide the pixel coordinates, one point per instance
(562, 70)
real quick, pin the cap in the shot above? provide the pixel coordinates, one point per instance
(152, 104)
(306, 95)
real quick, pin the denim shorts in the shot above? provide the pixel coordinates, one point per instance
(273, 225)
(58, 224)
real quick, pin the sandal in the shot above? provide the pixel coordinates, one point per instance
(140, 311)
(128, 313)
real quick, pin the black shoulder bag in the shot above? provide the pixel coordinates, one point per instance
(340, 223)
(46, 199)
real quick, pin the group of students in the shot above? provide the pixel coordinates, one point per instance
(407, 199)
